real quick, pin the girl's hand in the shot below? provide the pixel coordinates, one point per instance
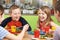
(38, 29)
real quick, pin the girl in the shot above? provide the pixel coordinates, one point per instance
(44, 23)
(44, 19)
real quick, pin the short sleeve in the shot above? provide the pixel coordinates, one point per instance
(3, 32)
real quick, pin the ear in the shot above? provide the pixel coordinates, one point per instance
(57, 12)
(10, 14)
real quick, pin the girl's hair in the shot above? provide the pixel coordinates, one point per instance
(47, 10)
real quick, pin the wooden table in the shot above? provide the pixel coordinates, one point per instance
(29, 37)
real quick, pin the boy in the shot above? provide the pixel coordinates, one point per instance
(15, 22)
(6, 34)
(57, 15)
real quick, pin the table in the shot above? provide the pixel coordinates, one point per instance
(29, 37)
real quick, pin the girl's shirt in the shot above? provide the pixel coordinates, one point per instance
(44, 28)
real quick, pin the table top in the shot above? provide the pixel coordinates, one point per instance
(30, 37)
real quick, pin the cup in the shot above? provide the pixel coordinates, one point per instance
(36, 33)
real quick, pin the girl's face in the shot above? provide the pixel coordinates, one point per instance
(42, 15)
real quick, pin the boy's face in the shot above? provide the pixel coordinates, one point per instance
(57, 15)
(16, 14)
(42, 15)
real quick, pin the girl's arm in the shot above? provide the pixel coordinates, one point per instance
(53, 24)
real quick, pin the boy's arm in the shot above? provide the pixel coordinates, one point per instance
(13, 37)
(25, 28)
(53, 24)
(24, 22)
(20, 36)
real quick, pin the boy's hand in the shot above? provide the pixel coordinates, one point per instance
(25, 28)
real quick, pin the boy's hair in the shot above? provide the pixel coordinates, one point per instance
(13, 7)
(1, 9)
(57, 6)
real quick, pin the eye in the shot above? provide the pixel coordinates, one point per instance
(42, 13)
(15, 13)
(18, 13)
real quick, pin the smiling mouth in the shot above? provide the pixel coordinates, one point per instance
(16, 17)
(42, 17)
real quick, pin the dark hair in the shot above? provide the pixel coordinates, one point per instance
(57, 6)
(1, 9)
(13, 7)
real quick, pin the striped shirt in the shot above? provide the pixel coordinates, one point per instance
(3, 33)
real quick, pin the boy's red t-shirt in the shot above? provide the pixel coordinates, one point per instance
(13, 23)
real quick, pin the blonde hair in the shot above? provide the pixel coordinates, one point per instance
(13, 7)
(47, 10)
